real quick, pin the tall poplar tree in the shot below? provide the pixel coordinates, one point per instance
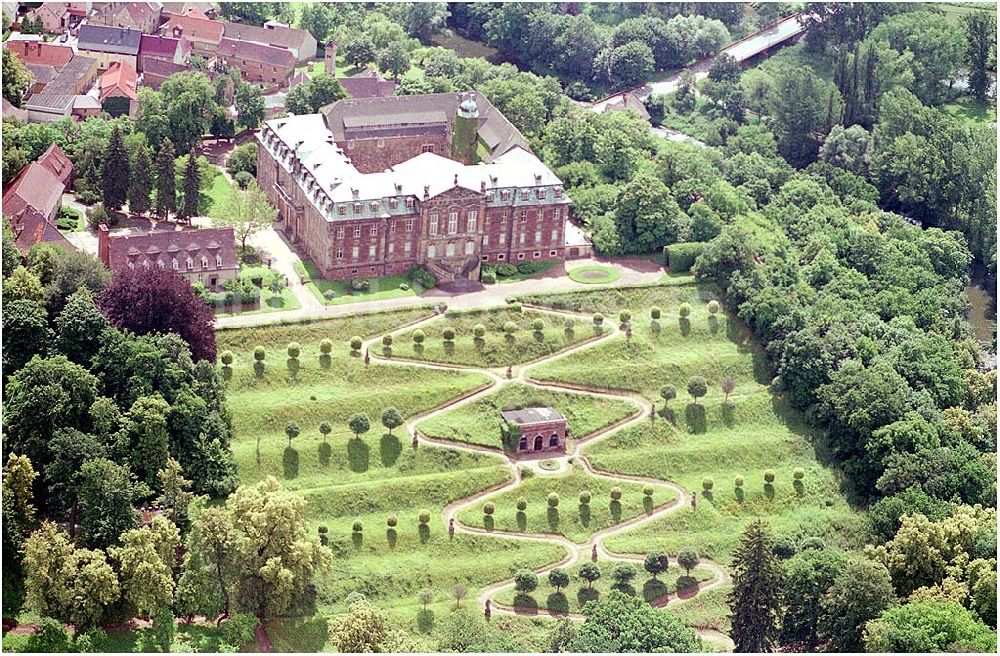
(191, 189)
(755, 599)
(115, 172)
(140, 188)
(981, 34)
(166, 185)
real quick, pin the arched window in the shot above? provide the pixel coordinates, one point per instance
(189, 263)
(538, 443)
(218, 260)
(554, 440)
(523, 444)
(204, 262)
(175, 266)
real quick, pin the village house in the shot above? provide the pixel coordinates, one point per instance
(117, 90)
(301, 43)
(141, 16)
(258, 63)
(201, 255)
(375, 187)
(368, 84)
(40, 185)
(60, 96)
(57, 17)
(40, 52)
(42, 74)
(30, 227)
(109, 44)
(203, 33)
(154, 46)
(627, 101)
(542, 430)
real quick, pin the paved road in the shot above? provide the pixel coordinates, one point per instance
(741, 51)
(631, 273)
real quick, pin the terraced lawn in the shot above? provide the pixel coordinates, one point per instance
(572, 599)
(496, 348)
(570, 518)
(478, 422)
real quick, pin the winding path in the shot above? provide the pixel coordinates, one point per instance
(575, 552)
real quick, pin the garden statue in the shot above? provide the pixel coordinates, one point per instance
(487, 612)
(367, 358)
(593, 554)
(451, 529)
(415, 442)
(510, 372)
(694, 502)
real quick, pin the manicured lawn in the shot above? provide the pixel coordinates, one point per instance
(478, 422)
(968, 108)
(571, 599)
(496, 348)
(571, 518)
(379, 288)
(269, 301)
(593, 275)
(542, 268)
(219, 193)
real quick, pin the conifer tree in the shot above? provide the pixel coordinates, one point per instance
(192, 188)
(115, 172)
(166, 185)
(755, 599)
(140, 187)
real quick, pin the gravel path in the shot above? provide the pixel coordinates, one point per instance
(575, 552)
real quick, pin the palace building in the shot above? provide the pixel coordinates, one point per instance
(542, 430)
(376, 186)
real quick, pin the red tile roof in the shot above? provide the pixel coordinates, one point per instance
(154, 45)
(279, 36)
(257, 52)
(193, 27)
(167, 245)
(36, 187)
(30, 228)
(368, 85)
(57, 161)
(119, 80)
(38, 52)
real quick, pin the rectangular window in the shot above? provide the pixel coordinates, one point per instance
(392, 228)
(340, 253)
(371, 250)
(520, 256)
(556, 214)
(409, 203)
(452, 222)
(407, 247)
(555, 234)
(540, 194)
(471, 219)
(524, 216)
(537, 255)
(358, 207)
(538, 236)
(485, 258)
(525, 194)
(486, 240)
(503, 218)
(340, 233)
(341, 210)
(357, 231)
(374, 206)
(559, 192)
(468, 248)
(432, 227)
(503, 238)
(354, 253)
(392, 248)
(552, 253)
(427, 148)
(218, 261)
(409, 225)
(374, 230)
(505, 194)
(381, 143)
(393, 203)
(501, 256)
(522, 238)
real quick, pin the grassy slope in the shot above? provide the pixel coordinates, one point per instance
(578, 593)
(495, 349)
(478, 422)
(570, 519)
(751, 433)
(364, 479)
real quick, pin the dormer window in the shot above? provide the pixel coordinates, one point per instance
(374, 206)
(190, 264)
(204, 262)
(175, 265)
(218, 261)
(341, 210)
(540, 194)
(358, 208)
(559, 192)
(505, 194)
(525, 194)
(393, 203)
(409, 203)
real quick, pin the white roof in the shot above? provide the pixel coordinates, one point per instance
(308, 136)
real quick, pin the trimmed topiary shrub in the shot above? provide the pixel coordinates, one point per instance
(259, 353)
(769, 476)
(738, 481)
(680, 257)
(418, 336)
(598, 319)
(553, 500)
(448, 334)
(488, 277)
(326, 346)
(616, 493)
(684, 310)
(655, 312)
(522, 504)
(799, 473)
(707, 484)
(569, 323)
(387, 340)
(357, 527)
(356, 343)
(510, 327)
(226, 358)
(624, 316)
(391, 521)
(329, 294)
(488, 508)
(585, 497)
(294, 350)
(648, 490)
(479, 330)
(424, 517)
(537, 325)
(713, 307)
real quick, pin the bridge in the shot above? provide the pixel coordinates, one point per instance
(785, 30)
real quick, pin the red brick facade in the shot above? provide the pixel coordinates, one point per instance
(376, 155)
(543, 430)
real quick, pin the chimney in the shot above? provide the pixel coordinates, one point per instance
(103, 248)
(427, 191)
(482, 186)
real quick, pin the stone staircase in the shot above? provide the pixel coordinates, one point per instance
(452, 271)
